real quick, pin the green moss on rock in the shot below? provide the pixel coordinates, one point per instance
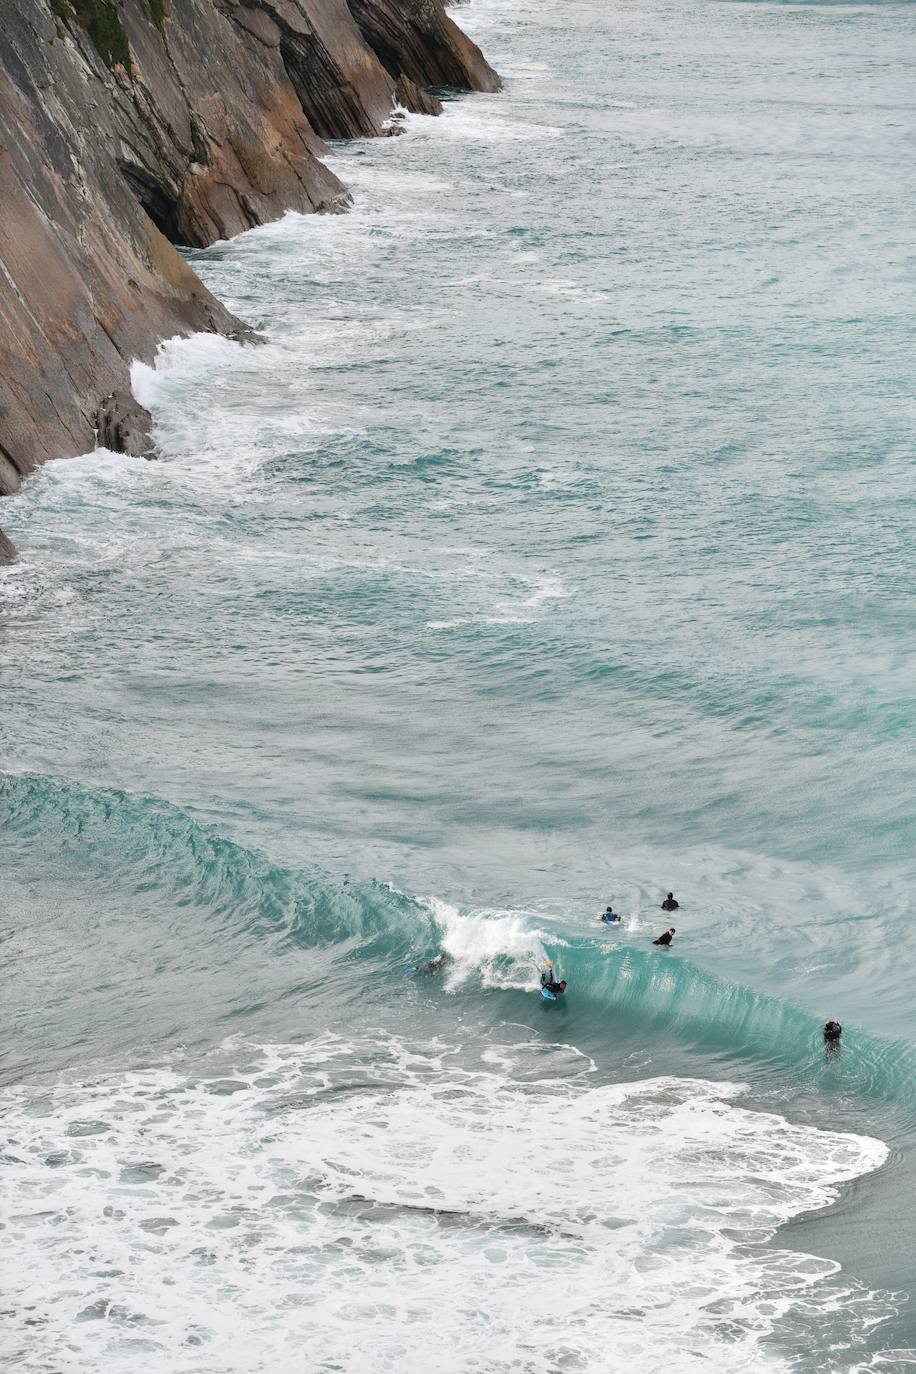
(101, 21)
(156, 11)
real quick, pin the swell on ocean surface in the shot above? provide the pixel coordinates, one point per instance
(182, 900)
(555, 548)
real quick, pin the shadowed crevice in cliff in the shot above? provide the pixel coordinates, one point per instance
(157, 198)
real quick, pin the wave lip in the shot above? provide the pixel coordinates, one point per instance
(162, 853)
(192, 890)
(629, 988)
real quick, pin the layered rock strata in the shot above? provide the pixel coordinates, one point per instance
(129, 126)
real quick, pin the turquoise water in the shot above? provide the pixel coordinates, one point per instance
(554, 549)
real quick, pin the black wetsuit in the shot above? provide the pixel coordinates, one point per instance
(670, 904)
(555, 989)
(833, 1030)
(664, 939)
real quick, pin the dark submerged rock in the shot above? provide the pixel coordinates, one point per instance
(7, 549)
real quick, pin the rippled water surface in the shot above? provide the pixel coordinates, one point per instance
(555, 548)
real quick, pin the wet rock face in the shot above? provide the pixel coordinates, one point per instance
(164, 123)
(7, 550)
(125, 426)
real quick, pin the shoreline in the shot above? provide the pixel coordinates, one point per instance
(92, 277)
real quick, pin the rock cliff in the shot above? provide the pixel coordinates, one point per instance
(129, 126)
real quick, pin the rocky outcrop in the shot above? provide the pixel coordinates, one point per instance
(420, 46)
(7, 550)
(129, 126)
(125, 426)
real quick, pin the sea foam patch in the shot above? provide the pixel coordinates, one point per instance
(381, 1205)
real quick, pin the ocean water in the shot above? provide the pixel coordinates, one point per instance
(555, 548)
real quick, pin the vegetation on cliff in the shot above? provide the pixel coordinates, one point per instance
(102, 22)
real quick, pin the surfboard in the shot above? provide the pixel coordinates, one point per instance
(548, 995)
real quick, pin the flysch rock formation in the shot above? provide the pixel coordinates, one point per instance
(130, 126)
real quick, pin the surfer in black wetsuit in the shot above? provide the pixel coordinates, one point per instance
(437, 964)
(549, 982)
(832, 1032)
(666, 938)
(610, 917)
(670, 903)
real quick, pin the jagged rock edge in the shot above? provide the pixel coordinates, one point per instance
(65, 408)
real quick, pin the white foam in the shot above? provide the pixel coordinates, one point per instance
(494, 950)
(550, 588)
(511, 610)
(386, 1206)
(207, 353)
(482, 119)
(82, 514)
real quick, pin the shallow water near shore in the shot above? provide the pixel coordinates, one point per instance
(554, 549)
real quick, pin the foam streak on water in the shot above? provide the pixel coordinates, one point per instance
(396, 1207)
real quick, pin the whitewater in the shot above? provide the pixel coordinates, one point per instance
(555, 548)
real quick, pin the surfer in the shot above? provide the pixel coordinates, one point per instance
(610, 917)
(666, 938)
(434, 965)
(549, 983)
(670, 903)
(832, 1032)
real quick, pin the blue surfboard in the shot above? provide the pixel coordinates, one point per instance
(548, 995)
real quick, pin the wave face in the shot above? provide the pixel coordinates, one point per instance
(554, 549)
(169, 894)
